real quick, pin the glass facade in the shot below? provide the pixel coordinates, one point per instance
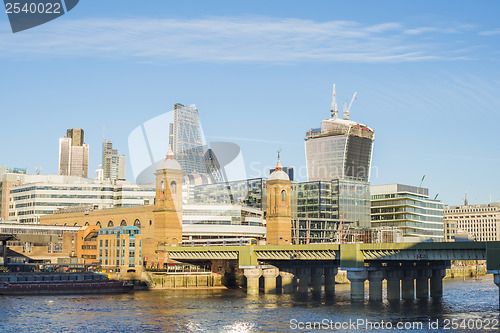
(321, 209)
(30, 201)
(186, 139)
(340, 149)
(405, 208)
(249, 193)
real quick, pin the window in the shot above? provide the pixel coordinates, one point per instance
(123, 224)
(173, 187)
(283, 195)
(137, 223)
(110, 224)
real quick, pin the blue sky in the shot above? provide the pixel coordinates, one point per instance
(261, 73)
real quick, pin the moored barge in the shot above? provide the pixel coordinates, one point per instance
(60, 283)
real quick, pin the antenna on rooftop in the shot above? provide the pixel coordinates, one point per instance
(38, 170)
(333, 108)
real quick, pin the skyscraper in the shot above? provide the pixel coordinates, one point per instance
(113, 165)
(73, 154)
(185, 137)
(340, 151)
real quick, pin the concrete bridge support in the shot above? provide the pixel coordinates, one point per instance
(408, 284)
(303, 275)
(357, 279)
(394, 284)
(437, 282)
(496, 277)
(253, 275)
(422, 283)
(375, 285)
(316, 280)
(330, 273)
(287, 283)
(270, 275)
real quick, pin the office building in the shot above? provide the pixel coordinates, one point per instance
(186, 139)
(339, 149)
(248, 193)
(324, 211)
(73, 154)
(5, 187)
(113, 165)
(5, 169)
(479, 222)
(120, 249)
(27, 197)
(409, 209)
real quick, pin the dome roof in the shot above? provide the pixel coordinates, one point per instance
(278, 173)
(169, 162)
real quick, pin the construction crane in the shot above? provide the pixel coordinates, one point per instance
(346, 110)
(420, 185)
(333, 109)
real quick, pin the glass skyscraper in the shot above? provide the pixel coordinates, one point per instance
(340, 149)
(186, 142)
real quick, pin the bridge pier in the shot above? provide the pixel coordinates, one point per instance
(422, 283)
(270, 275)
(330, 273)
(408, 284)
(394, 284)
(496, 277)
(287, 281)
(316, 280)
(437, 282)
(303, 274)
(253, 275)
(357, 279)
(375, 279)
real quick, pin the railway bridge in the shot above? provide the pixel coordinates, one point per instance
(410, 269)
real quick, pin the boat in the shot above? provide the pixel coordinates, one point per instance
(60, 283)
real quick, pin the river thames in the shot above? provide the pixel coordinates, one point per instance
(471, 302)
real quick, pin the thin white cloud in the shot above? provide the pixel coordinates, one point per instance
(222, 39)
(489, 32)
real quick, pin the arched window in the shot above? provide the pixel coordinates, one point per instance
(162, 188)
(65, 224)
(111, 224)
(150, 222)
(173, 187)
(98, 223)
(86, 223)
(123, 224)
(76, 224)
(137, 223)
(283, 195)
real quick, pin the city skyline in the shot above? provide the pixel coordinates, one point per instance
(427, 83)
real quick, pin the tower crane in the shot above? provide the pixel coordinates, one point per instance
(333, 109)
(346, 110)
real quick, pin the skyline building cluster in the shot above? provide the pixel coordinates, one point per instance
(336, 198)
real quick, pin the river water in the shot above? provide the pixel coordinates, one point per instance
(475, 301)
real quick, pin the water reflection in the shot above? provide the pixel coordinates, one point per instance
(234, 311)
